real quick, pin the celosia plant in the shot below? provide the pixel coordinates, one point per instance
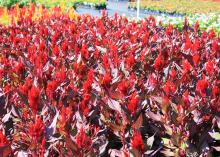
(34, 13)
(106, 86)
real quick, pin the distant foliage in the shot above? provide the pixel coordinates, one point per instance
(10, 3)
(99, 4)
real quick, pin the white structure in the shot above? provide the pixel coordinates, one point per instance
(138, 9)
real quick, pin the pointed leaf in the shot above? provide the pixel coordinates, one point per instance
(169, 130)
(149, 152)
(168, 152)
(168, 143)
(215, 135)
(138, 122)
(153, 116)
(115, 95)
(14, 112)
(71, 145)
(217, 148)
(6, 117)
(115, 127)
(52, 128)
(22, 154)
(115, 152)
(103, 147)
(115, 105)
(150, 141)
(157, 99)
(218, 121)
(101, 49)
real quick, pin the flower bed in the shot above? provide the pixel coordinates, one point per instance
(99, 86)
(206, 21)
(180, 7)
(99, 4)
(32, 12)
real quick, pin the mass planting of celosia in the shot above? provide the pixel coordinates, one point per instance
(32, 12)
(108, 87)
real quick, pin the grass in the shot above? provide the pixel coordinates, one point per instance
(179, 6)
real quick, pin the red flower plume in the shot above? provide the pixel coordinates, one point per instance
(133, 103)
(3, 139)
(209, 66)
(33, 97)
(137, 142)
(124, 86)
(158, 63)
(201, 87)
(169, 87)
(196, 59)
(186, 66)
(37, 129)
(106, 81)
(82, 140)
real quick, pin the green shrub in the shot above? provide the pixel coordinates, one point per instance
(25, 2)
(99, 4)
(10, 3)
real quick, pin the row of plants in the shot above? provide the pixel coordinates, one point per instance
(99, 4)
(179, 6)
(204, 12)
(206, 21)
(12, 15)
(89, 86)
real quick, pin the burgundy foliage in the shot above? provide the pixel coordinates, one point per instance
(108, 86)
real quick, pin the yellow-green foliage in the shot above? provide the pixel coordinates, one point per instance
(180, 6)
(67, 3)
(91, 1)
(52, 3)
